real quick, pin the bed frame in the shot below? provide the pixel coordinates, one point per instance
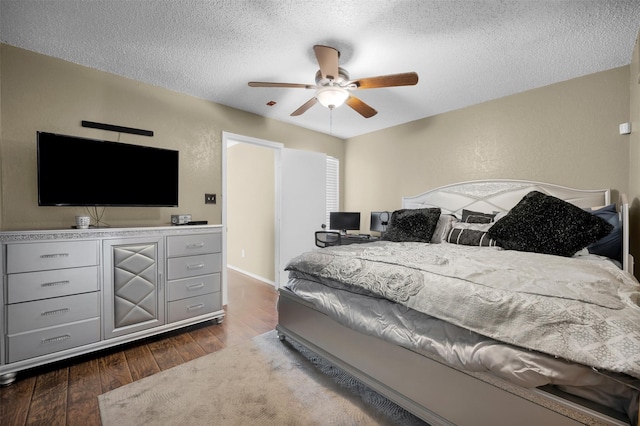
(425, 386)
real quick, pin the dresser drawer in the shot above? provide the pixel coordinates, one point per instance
(196, 286)
(29, 257)
(190, 266)
(194, 306)
(48, 313)
(46, 284)
(45, 341)
(186, 245)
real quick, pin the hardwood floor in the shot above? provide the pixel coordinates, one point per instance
(66, 393)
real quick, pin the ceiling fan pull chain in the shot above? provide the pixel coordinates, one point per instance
(331, 122)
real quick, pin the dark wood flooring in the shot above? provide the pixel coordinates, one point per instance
(66, 393)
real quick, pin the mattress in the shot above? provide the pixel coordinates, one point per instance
(419, 295)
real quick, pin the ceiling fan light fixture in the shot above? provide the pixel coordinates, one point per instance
(333, 85)
(331, 96)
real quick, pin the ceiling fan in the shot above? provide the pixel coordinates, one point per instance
(333, 85)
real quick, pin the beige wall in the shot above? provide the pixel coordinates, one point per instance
(1, 156)
(565, 133)
(48, 94)
(634, 155)
(251, 209)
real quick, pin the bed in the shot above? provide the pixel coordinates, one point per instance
(472, 327)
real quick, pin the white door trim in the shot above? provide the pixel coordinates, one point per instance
(229, 139)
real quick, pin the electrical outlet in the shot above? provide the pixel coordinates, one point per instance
(209, 198)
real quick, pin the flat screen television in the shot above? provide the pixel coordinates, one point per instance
(74, 171)
(344, 221)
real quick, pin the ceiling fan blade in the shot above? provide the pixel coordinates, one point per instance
(360, 107)
(328, 60)
(288, 85)
(311, 102)
(391, 80)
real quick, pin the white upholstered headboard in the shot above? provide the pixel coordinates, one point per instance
(502, 194)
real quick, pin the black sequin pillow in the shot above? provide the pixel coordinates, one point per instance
(469, 216)
(545, 224)
(412, 225)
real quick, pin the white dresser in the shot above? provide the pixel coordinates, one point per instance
(194, 263)
(71, 292)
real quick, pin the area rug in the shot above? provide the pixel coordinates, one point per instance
(260, 382)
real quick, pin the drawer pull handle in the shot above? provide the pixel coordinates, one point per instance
(50, 256)
(195, 286)
(195, 266)
(56, 339)
(195, 245)
(54, 283)
(56, 312)
(195, 307)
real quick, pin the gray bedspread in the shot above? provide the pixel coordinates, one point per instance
(581, 309)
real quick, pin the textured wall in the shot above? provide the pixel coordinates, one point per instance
(566, 134)
(251, 209)
(634, 155)
(48, 94)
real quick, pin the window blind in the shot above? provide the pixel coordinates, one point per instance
(333, 187)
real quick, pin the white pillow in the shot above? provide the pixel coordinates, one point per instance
(445, 222)
(484, 227)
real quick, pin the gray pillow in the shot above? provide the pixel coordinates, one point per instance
(542, 223)
(412, 225)
(445, 222)
(470, 234)
(469, 216)
(611, 245)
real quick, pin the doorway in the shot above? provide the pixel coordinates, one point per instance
(262, 235)
(250, 204)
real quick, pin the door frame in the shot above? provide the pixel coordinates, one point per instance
(229, 139)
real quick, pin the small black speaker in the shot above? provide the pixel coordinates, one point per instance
(119, 129)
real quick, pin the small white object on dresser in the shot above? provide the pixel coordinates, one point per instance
(68, 292)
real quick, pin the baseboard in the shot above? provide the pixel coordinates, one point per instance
(252, 275)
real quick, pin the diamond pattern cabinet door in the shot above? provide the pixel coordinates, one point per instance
(133, 285)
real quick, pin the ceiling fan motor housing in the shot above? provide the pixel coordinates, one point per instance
(342, 80)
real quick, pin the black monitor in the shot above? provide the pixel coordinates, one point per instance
(379, 221)
(344, 221)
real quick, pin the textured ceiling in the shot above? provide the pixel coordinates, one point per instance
(465, 52)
